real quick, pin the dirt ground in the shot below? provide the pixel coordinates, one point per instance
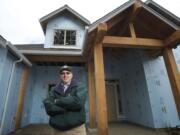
(114, 129)
(132, 129)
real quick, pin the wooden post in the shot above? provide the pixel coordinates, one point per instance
(100, 82)
(173, 75)
(23, 86)
(91, 93)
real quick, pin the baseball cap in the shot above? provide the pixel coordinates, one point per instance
(65, 67)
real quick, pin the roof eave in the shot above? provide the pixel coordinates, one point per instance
(124, 7)
(2, 42)
(175, 27)
(45, 19)
(6, 44)
(164, 10)
(56, 53)
(18, 54)
(111, 14)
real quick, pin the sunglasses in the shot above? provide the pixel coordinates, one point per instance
(67, 73)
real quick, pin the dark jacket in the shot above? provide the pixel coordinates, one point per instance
(66, 110)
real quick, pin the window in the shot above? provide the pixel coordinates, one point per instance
(65, 37)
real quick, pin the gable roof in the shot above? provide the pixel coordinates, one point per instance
(111, 14)
(161, 22)
(44, 20)
(163, 12)
(164, 15)
(92, 28)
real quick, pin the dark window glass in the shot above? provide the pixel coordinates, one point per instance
(65, 37)
(70, 37)
(59, 37)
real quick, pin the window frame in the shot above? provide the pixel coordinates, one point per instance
(65, 36)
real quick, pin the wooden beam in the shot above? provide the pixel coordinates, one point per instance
(102, 122)
(132, 30)
(46, 58)
(91, 93)
(136, 9)
(90, 49)
(101, 32)
(173, 40)
(22, 91)
(126, 42)
(90, 55)
(173, 74)
(99, 35)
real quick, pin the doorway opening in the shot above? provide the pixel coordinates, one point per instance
(114, 101)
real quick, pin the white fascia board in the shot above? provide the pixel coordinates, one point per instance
(40, 52)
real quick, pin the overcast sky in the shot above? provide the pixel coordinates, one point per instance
(19, 19)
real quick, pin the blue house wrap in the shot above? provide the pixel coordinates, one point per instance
(138, 89)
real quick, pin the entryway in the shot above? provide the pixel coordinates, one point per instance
(113, 96)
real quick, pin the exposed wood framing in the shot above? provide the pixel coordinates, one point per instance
(91, 54)
(150, 29)
(23, 86)
(91, 93)
(46, 58)
(102, 122)
(126, 42)
(90, 48)
(173, 40)
(90, 43)
(132, 30)
(136, 9)
(173, 74)
(114, 21)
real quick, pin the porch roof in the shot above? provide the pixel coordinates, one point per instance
(149, 19)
